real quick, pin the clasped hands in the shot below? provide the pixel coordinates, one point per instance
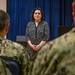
(35, 47)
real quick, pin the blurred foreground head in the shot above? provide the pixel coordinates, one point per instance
(73, 11)
(4, 23)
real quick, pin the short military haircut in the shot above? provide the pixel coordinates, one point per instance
(4, 19)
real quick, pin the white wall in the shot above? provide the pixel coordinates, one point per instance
(3, 5)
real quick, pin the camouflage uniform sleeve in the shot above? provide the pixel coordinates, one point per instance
(23, 58)
(25, 62)
(56, 57)
(20, 54)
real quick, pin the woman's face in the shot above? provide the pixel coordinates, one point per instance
(37, 15)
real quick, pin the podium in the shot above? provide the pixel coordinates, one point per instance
(64, 29)
(21, 40)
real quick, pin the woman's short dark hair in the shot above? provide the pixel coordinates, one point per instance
(32, 14)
